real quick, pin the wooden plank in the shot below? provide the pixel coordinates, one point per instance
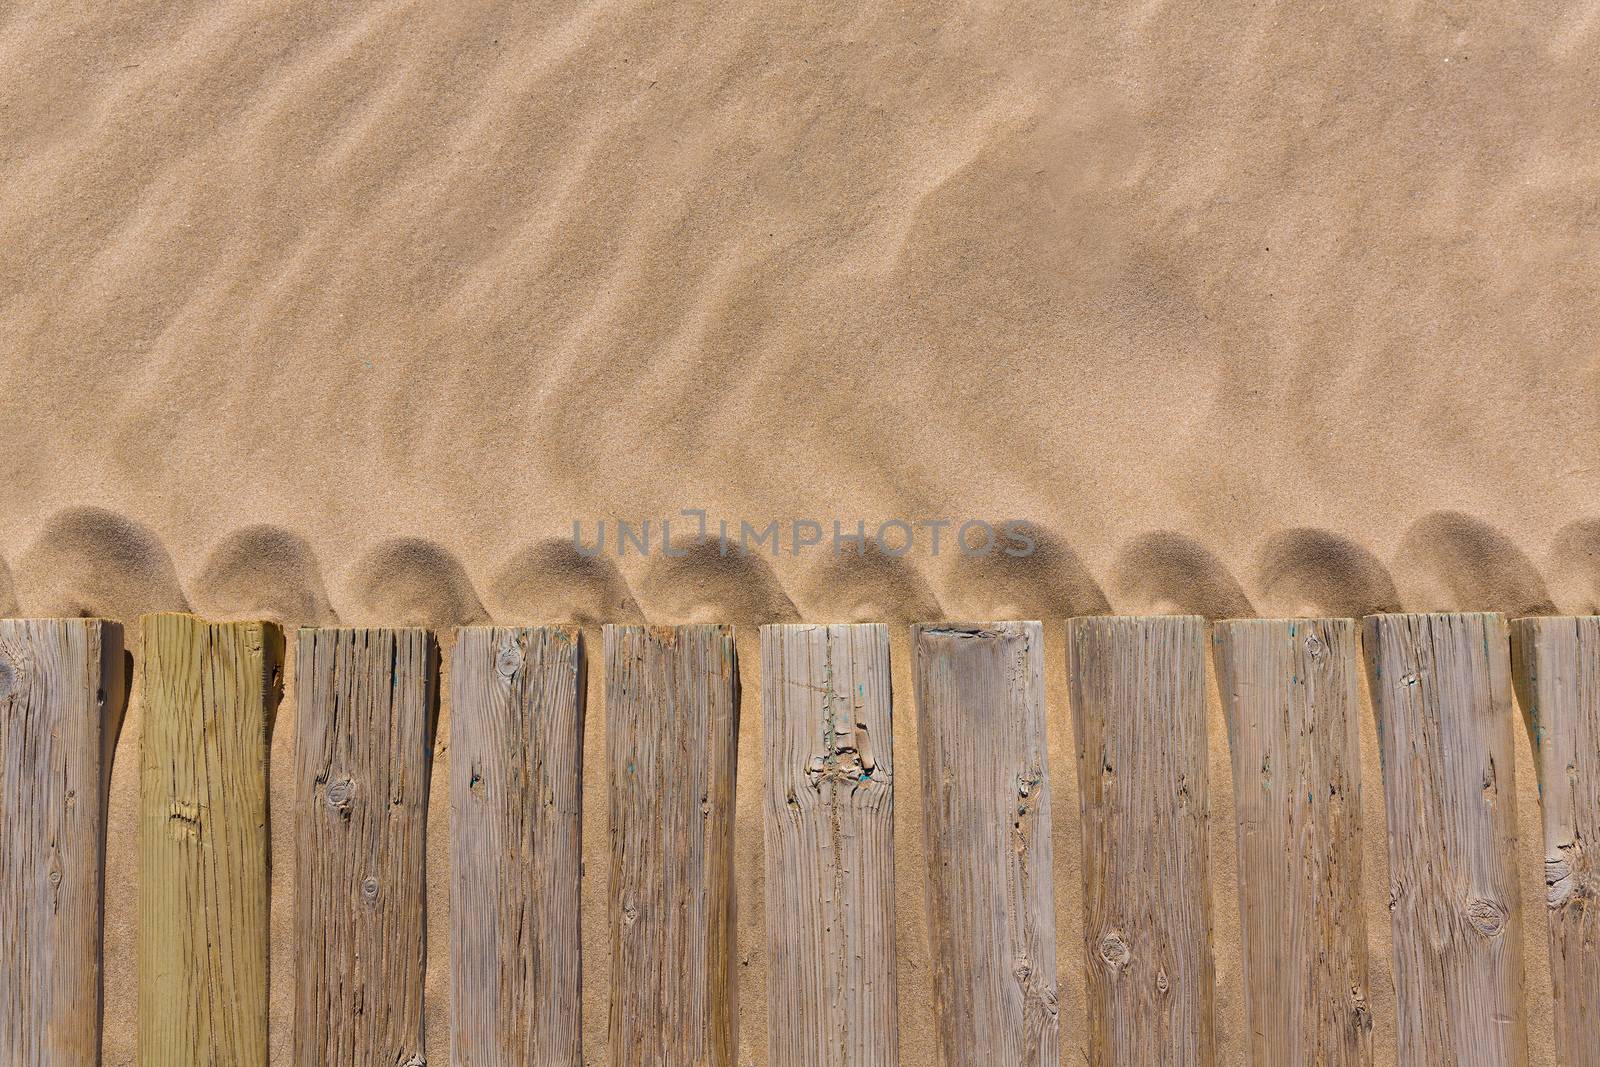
(209, 692)
(672, 716)
(986, 809)
(61, 701)
(363, 751)
(516, 739)
(1290, 694)
(1139, 712)
(1556, 666)
(1441, 691)
(825, 697)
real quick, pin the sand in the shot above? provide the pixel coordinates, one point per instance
(345, 312)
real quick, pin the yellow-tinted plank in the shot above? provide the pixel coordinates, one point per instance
(209, 692)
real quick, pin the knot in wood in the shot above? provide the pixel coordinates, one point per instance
(1114, 951)
(1162, 984)
(1487, 916)
(1557, 880)
(1023, 969)
(816, 768)
(846, 755)
(8, 678)
(509, 661)
(369, 889)
(1314, 646)
(183, 819)
(1361, 1015)
(340, 795)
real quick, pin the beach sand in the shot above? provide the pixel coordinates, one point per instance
(344, 313)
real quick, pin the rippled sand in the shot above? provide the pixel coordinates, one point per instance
(344, 312)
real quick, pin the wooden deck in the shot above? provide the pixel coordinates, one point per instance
(977, 774)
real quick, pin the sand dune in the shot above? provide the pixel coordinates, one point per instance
(87, 560)
(344, 312)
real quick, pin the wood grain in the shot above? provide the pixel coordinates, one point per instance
(209, 692)
(1441, 691)
(986, 809)
(61, 702)
(516, 739)
(1290, 694)
(1556, 667)
(825, 697)
(672, 715)
(363, 751)
(1139, 712)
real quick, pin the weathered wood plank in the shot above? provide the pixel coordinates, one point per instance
(516, 740)
(1556, 666)
(1139, 712)
(1290, 694)
(829, 846)
(208, 693)
(672, 716)
(1441, 691)
(363, 751)
(986, 808)
(61, 703)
